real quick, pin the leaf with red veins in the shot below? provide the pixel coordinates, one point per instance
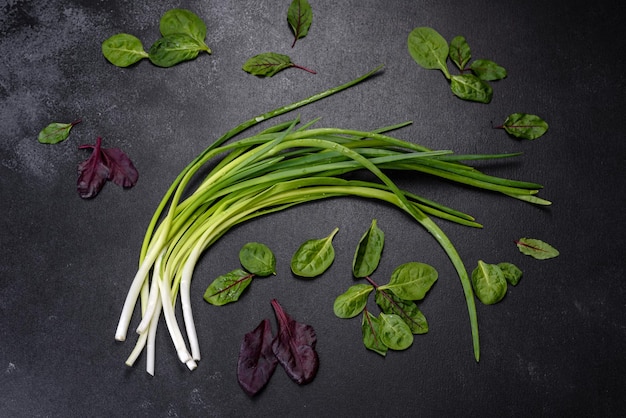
(93, 172)
(121, 169)
(257, 361)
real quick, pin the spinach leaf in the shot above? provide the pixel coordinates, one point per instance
(173, 49)
(256, 362)
(394, 332)
(56, 132)
(183, 21)
(469, 87)
(258, 259)
(228, 287)
(300, 17)
(429, 49)
(524, 125)
(406, 309)
(368, 252)
(460, 53)
(370, 329)
(489, 283)
(411, 281)
(123, 50)
(314, 256)
(269, 63)
(487, 70)
(536, 248)
(352, 302)
(511, 272)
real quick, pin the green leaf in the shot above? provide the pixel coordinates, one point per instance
(314, 256)
(429, 49)
(352, 302)
(470, 87)
(411, 281)
(258, 259)
(460, 53)
(185, 22)
(511, 272)
(536, 248)
(394, 332)
(406, 309)
(368, 252)
(173, 49)
(525, 126)
(370, 329)
(123, 50)
(300, 17)
(267, 64)
(489, 283)
(228, 287)
(56, 132)
(487, 70)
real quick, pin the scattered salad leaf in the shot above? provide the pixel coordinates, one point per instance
(511, 272)
(183, 21)
(104, 164)
(314, 256)
(257, 362)
(536, 248)
(368, 252)
(123, 50)
(173, 49)
(269, 63)
(524, 125)
(394, 332)
(300, 17)
(352, 302)
(488, 70)
(411, 281)
(370, 329)
(489, 283)
(429, 49)
(294, 347)
(56, 132)
(228, 287)
(470, 87)
(405, 309)
(460, 52)
(258, 259)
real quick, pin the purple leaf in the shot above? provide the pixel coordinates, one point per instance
(257, 361)
(121, 169)
(294, 347)
(92, 173)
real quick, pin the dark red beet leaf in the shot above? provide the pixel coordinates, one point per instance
(121, 169)
(257, 361)
(294, 347)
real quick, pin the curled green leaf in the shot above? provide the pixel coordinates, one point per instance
(411, 281)
(173, 49)
(228, 287)
(370, 329)
(487, 70)
(123, 50)
(489, 283)
(314, 256)
(56, 132)
(394, 332)
(460, 53)
(536, 248)
(300, 17)
(525, 126)
(429, 49)
(258, 259)
(352, 302)
(368, 252)
(469, 87)
(185, 22)
(511, 272)
(405, 309)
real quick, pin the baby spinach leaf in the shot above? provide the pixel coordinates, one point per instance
(256, 362)
(228, 287)
(56, 132)
(184, 21)
(123, 50)
(294, 347)
(300, 17)
(411, 281)
(394, 332)
(487, 70)
(511, 272)
(314, 256)
(368, 252)
(524, 125)
(370, 329)
(489, 283)
(536, 248)
(173, 49)
(269, 63)
(406, 309)
(460, 53)
(258, 259)
(470, 87)
(352, 302)
(429, 49)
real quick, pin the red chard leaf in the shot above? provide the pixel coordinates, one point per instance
(121, 169)
(257, 361)
(294, 347)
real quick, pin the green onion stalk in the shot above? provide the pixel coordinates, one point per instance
(282, 166)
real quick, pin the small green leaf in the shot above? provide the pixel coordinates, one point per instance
(184, 21)
(368, 252)
(300, 17)
(370, 329)
(173, 49)
(56, 132)
(123, 50)
(258, 259)
(314, 256)
(460, 53)
(470, 87)
(525, 126)
(536, 248)
(406, 309)
(489, 283)
(228, 287)
(267, 64)
(352, 302)
(487, 70)
(429, 49)
(511, 272)
(411, 281)
(394, 332)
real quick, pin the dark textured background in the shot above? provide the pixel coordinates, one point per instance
(553, 347)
